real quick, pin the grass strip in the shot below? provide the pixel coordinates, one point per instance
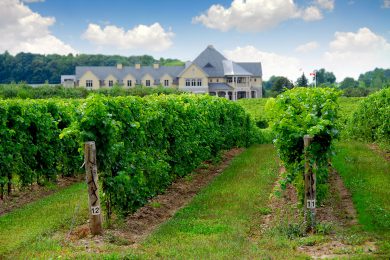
(367, 175)
(18, 228)
(218, 222)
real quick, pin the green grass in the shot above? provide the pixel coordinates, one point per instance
(220, 222)
(40, 218)
(254, 106)
(366, 174)
(217, 223)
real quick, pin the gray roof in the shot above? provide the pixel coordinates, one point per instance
(103, 72)
(233, 69)
(219, 86)
(212, 62)
(253, 67)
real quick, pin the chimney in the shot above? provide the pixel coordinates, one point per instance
(210, 46)
(156, 66)
(119, 66)
(138, 66)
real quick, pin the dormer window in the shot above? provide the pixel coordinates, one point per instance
(110, 83)
(129, 83)
(208, 65)
(147, 83)
(166, 83)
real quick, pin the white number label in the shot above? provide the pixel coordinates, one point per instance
(95, 210)
(311, 204)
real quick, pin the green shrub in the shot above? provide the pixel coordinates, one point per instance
(144, 143)
(30, 145)
(299, 112)
(371, 120)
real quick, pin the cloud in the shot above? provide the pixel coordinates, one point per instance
(307, 47)
(152, 38)
(23, 30)
(386, 4)
(311, 13)
(272, 63)
(351, 53)
(325, 4)
(255, 15)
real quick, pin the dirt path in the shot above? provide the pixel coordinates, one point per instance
(158, 210)
(21, 197)
(337, 213)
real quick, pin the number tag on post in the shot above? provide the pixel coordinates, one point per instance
(95, 210)
(311, 204)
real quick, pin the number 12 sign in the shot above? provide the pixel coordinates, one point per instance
(95, 210)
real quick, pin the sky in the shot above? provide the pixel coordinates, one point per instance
(289, 37)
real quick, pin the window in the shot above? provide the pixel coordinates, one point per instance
(147, 83)
(110, 83)
(166, 83)
(129, 83)
(217, 80)
(89, 83)
(193, 82)
(229, 80)
(254, 80)
(188, 82)
(211, 81)
(199, 82)
(239, 80)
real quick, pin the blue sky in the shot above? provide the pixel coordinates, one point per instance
(288, 37)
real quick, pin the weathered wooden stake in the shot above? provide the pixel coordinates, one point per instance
(310, 188)
(95, 216)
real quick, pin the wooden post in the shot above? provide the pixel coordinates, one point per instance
(310, 188)
(95, 216)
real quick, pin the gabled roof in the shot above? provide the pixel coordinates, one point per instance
(103, 72)
(188, 64)
(217, 65)
(210, 56)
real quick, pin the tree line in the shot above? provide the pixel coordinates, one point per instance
(367, 83)
(38, 68)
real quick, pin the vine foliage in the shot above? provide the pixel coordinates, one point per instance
(299, 112)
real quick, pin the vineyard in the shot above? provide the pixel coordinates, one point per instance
(144, 144)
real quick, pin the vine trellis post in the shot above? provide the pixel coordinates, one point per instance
(95, 213)
(310, 188)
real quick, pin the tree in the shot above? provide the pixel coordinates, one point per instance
(325, 77)
(349, 82)
(281, 84)
(302, 81)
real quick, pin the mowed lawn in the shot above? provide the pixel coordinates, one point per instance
(218, 223)
(366, 174)
(23, 226)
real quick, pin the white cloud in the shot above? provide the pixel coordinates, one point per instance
(386, 4)
(254, 15)
(353, 53)
(272, 63)
(153, 37)
(23, 30)
(311, 13)
(307, 47)
(326, 4)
